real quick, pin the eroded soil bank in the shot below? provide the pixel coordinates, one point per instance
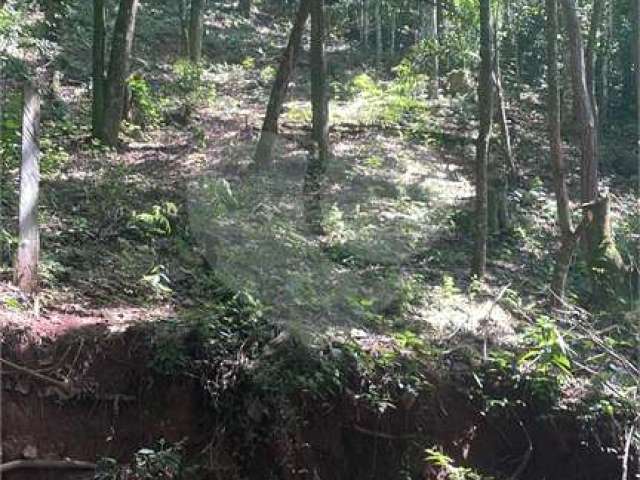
(118, 403)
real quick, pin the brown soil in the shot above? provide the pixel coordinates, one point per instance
(119, 406)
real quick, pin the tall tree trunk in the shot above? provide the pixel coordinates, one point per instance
(502, 109)
(602, 68)
(264, 150)
(378, 19)
(586, 120)
(637, 285)
(99, 38)
(431, 30)
(563, 206)
(195, 30)
(121, 47)
(393, 27)
(318, 157)
(5, 254)
(184, 27)
(26, 269)
(485, 115)
(592, 45)
(365, 23)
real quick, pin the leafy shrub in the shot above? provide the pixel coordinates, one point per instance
(162, 462)
(189, 87)
(145, 102)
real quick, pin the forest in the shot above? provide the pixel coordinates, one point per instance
(320, 239)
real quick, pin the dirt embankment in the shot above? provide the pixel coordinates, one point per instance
(117, 404)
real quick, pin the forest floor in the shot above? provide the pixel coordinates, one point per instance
(161, 230)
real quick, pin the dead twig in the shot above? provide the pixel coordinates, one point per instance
(627, 449)
(386, 436)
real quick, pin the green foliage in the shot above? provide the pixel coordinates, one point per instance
(147, 112)
(533, 375)
(401, 101)
(157, 222)
(440, 460)
(162, 462)
(190, 87)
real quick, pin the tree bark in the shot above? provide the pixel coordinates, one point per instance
(264, 151)
(431, 29)
(592, 44)
(26, 270)
(568, 239)
(196, 30)
(585, 111)
(602, 68)
(184, 27)
(485, 115)
(365, 23)
(393, 27)
(378, 19)
(502, 109)
(99, 38)
(318, 157)
(120, 59)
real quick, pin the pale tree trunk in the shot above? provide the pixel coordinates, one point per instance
(602, 67)
(99, 39)
(568, 239)
(420, 31)
(26, 269)
(195, 30)
(378, 19)
(592, 45)
(121, 47)
(431, 30)
(318, 157)
(485, 116)
(393, 27)
(269, 133)
(365, 23)
(502, 109)
(586, 120)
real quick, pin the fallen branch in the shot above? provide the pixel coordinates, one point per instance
(62, 385)
(386, 436)
(46, 465)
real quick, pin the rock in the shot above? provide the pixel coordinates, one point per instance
(30, 452)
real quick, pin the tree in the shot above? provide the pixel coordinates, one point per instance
(99, 39)
(431, 31)
(196, 30)
(26, 268)
(377, 15)
(485, 115)
(568, 237)
(583, 104)
(319, 154)
(120, 59)
(264, 150)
